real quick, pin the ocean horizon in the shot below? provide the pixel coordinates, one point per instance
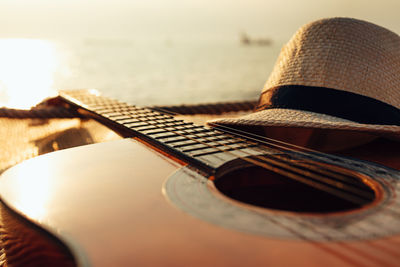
(138, 71)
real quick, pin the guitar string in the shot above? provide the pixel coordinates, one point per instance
(259, 138)
(265, 159)
(262, 164)
(304, 163)
(341, 186)
(101, 114)
(286, 166)
(301, 164)
(296, 233)
(354, 250)
(270, 143)
(319, 245)
(258, 141)
(394, 213)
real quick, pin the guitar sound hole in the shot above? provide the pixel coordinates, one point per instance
(262, 188)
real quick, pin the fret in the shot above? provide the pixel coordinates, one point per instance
(188, 138)
(210, 151)
(174, 128)
(127, 107)
(169, 129)
(100, 107)
(101, 101)
(202, 146)
(133, 125)
(191, 142)
(185, 143)
(198, 131)
(170, 120)
(101, 110)
(218, 158)
(142, 111)
(175, 123)
(218, 138)
(127, 120)
(153, 117)
(158, 131)
(206, 151)
(125, 110)
(168, 138)
(112, 114)
(145, 127)
(104, 104)
(160, 123)
(181, 128)
(172, 131)
(121, 117)
(148, 117)
(194, 148)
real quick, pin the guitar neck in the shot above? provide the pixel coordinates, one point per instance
(206, 148)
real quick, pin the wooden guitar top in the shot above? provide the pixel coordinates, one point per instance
(106, 203)
(135, 203)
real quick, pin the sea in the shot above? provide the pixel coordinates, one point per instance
(137, 71)
(155, 52)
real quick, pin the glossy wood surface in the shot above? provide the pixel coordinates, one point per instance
(105, 202)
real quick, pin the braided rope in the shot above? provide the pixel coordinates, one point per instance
(214, 109)
(48, 112)
(61, 112)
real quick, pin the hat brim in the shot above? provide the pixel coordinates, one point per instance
(277, 117)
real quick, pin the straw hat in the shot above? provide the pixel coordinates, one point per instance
(337, 73)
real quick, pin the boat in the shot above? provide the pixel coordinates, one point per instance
(245, 39)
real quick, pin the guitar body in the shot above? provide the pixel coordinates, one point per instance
(106, 203)
(145, 202)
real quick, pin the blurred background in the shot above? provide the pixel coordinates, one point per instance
(151, 52)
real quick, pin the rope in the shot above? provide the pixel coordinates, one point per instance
(61, 112)
(43, 113)
(215, 108)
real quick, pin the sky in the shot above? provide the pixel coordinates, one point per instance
(29, 27)
(180, 18)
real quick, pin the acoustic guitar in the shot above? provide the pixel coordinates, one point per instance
(178, 194)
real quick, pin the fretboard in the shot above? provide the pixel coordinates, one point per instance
(205, 147)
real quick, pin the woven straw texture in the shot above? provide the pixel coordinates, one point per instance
(339, 53)
(344, 54)
(297, 118)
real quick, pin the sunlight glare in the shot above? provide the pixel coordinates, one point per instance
(27, 68)
(34, 190)
(94, 92)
